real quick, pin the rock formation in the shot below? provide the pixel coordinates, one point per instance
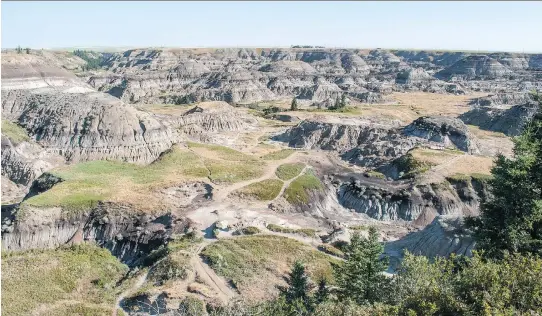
(68, 117)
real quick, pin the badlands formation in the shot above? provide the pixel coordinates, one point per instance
(188, 166)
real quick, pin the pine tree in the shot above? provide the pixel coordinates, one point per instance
(298, 284)
(293, 107)
(343, 101)
(511, 220)
(360, 277)
(322, 293)
(337, 104)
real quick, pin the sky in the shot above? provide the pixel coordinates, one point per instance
(488, 26)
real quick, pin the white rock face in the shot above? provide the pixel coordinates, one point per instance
(70, 118)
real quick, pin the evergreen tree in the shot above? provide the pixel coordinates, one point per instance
(19, 49)
(511, 220)
(337, 104)
(293, 107)
(298, 285)
(360, 278)
(322, 293)
(27, 50)
(343, 101)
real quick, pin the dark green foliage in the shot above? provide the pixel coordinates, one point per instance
(462, 286)
(298, 284)
(511, 220)
(27, 50)
(19, 50)
(360, 277)
(293, 106)
(322, 293)
(89, 56)
(271, 110)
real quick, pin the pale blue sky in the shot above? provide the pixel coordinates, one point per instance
(508, 26)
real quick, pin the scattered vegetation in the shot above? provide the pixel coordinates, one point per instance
(278, 155)
(94, 59)
(265, 190)
(14, 132)
(86, 274)
(289, 171)
(331, 250)
(294, 106)
(480, 177)
(222, 152)
(308, 232)
(248, 259)
(410, 167)
(511, 221)
(375, 174)
(297, 191)
(85, 184)
(249, 230)
(231, 172)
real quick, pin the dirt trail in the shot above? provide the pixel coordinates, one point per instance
(209, 277)
(287, 182)
(436, 173)
(222, 193)
(139, 282)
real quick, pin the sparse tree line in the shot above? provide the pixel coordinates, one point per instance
(88, 56)
(20, 50)
(504, 277)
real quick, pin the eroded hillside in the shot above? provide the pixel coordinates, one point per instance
(189, 166)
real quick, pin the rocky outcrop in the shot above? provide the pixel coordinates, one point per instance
(254, 75)
(450, 132)
(25, 161)
(475, 67)
(372, 144)
(71, 119)
(507, 120)
(502, 99)
(216, 117)
(129, 235)
(445, 235)
(416, 203)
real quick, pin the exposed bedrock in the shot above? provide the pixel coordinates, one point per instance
(68, 117)
(509, 120)
(128, 235)
(253, 75)
(417, 203)
(445, 235)
(451, 132)
(25, 161)
(371, 144)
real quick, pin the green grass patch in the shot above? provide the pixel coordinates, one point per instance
(265, 190)
(278, 155)
(231, 172)
(85, 184)
(289, 171)
(329, 249)
(461, 177)
(297, 191)
(411, 167)
(375, 174)
(245, 259)
(223, 152)
(14, 132)
(85, 273)
(358, 227)
(308, 232)
(249, 230)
